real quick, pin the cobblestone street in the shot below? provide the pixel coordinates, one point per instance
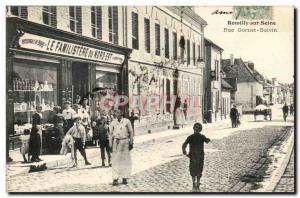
(287, 181)
(226, 161)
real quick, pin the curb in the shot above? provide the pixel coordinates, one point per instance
(280, 171)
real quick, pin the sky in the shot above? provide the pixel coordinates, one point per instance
(271, 52)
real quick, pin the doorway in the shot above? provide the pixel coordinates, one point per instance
(80, 80)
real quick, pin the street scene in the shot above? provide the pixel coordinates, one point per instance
(150, 99)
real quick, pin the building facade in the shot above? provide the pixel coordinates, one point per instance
(166, 63)
(55, 53)
(213, 81)
(249, 91)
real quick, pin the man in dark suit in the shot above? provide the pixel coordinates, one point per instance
(37, 117)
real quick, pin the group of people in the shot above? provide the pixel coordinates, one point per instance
(286, 109)
(72, 125)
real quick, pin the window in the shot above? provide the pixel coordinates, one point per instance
(188, 52)
(194, 54)
(217, 69)
(20, 11)
(167, 54)
(75, 19)
(147, 34)
(113, 24)
(199, 53)
(135, 30)
(175, 45)
(49, 15)
(157, 39)
(96, 17)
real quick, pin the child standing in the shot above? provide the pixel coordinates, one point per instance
(103, 133)
(196, 154)
(25, 144)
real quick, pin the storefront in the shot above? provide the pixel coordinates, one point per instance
(46, 66)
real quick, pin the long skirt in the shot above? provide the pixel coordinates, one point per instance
(196, 166)
(121, 159)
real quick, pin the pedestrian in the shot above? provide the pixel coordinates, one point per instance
(35, 144)
(185, 106)
(132, 119)
(78, 133)
(38, 116)
(25, 144)
(85, 108)
(234, 115)
(68, 114)
(67, 145)
(285, 111)
(103, 135)
(179, 115)
(196, 154)
(291, 109)
(57, 136)
(121, 141)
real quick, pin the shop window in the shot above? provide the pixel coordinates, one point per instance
(174, 45)
(157, 39)
(75, 19)
(49, 15)
(188, 52)
(135, 30)
(20, 11)
(33, 84)
(113, 24)
(107, 84)
(147, 34)
(167, 43)
(96, 20)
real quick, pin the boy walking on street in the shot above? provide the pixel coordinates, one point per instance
(196, 154)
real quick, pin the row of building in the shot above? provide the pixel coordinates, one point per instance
(57, 52)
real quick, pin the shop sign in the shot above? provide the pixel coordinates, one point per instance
(44, 44)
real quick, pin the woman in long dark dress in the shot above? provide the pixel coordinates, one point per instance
(196, 154)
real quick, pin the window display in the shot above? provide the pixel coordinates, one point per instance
(34, 84)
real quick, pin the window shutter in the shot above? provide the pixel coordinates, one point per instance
(167, 43)
(175, 45)
(188, 52)
(115, 25)
(157, 39)
(79, 20)
(147, 35)
(24, 12)
(194, 54)
(53, 19)
(135, 33)
(99, 22)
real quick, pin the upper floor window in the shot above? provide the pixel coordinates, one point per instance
(199, 53)
(188, 52)
(147, 34)
(20, 11)
(157, 39)
(217, 69)
(49, 15)
(113, 24)
(167, 55)
(96, 20)
(194, 54)
(135, 30)
(75, 19)
(174, 45)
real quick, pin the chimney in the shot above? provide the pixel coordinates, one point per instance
(231, 59)
(251, 65)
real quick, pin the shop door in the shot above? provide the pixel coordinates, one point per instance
(80, 80)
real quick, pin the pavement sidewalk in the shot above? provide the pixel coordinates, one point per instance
(17, 167)
(216, 130)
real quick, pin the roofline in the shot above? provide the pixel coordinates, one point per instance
(213, 44)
